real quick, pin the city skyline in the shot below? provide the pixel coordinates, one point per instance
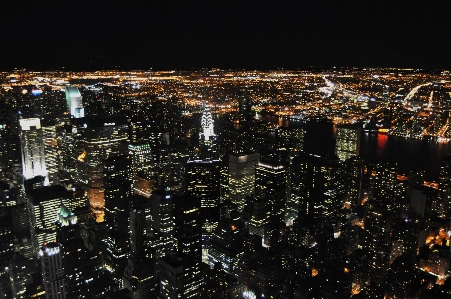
(225, 150)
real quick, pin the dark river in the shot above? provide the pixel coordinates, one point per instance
(409, 154)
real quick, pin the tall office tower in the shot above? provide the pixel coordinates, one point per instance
(226, 246)
(348, 141)
(7, 234)
(317, 187)
(53, 271)
(445, 182)
(172, 270)
(202, 177)
(163, 220)
(242, 177)
(12, 158)
(141, 168)
(142, 158)
(42, 205)
(139, 274)
(68, 235)
(378, 225)
(32, 144)
(354, 182)
(51, 149)
(245, 139)
(207, 126)
(255, 216)
(118, 191)
(19, 273)
(271, 187)
(67, 167)
(102, 138)
(188, 233)
(381, 189)
(74, 102)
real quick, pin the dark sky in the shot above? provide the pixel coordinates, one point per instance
(91, 35)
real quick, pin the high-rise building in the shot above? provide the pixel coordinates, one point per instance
(18, 270)
(226, 246)
(74, 102)
(348, 141)
(7, 234)
(43, 205)
(207, 125)
(51, 149)
(445, 182)
(316, 187)
(68, 236)
(354, 177)
(188, 233)
(270, 186)
(142, 160)
(202, 180)
(163, 220)
(242, 177)
(32, 144)
(53, 271)
(101, 139)
(382, 180)
(172, 277)
(118, 191)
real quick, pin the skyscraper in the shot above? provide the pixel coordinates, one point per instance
(74, 102)
(242, 177)
(43, 205)
(101, 138)
(163, 220)
(207, 125)
(53, 271)
(32, 144)
(202, 180)
(316, 187)
(382, 180)
(348, 141)
(270, 186)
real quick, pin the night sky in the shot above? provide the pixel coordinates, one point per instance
(95, 35)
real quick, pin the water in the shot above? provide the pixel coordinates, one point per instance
(409, 154)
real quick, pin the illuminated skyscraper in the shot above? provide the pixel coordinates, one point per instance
(207, 125)
(50, 149)
(270, 186)
(163, 220)
(316, 186)
(19, 272)
(43, 205)
(242, 177)
(74, 102)
(118, 191)
(445, 182)
(32, 143)
(381, 190)
(53, 271)
(348, 141)
(354, 182)
(202, 180)
(101, 139)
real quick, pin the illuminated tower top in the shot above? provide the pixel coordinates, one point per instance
(207, 124)
(74, 102)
